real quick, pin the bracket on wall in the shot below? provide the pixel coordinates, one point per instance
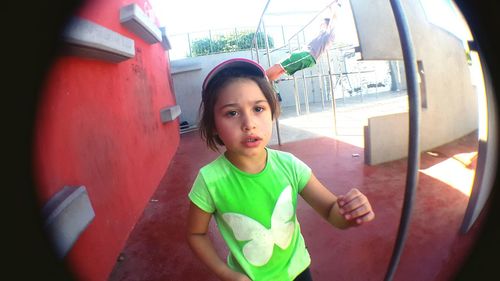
(164, 39)
(135, 20)
(85, 38)
(66, 215)
(168, 114)
(181, 66)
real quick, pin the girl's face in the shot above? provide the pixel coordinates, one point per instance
(243, 118)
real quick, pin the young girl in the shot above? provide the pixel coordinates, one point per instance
(252, 190)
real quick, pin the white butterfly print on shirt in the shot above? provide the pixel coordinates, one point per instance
(259, 249)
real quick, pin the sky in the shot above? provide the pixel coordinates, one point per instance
(180, 16)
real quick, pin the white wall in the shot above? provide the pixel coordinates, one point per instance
(452, 101)
(188, 75)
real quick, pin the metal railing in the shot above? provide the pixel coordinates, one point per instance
(183, 44)
(296, 36)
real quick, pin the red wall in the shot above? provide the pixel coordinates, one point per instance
(99, 125)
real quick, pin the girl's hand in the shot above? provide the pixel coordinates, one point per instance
(355, 207)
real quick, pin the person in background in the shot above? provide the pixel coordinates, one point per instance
(308, 56)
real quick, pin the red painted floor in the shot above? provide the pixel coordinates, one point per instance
(157, 250)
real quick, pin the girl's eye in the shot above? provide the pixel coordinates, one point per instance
(259, 109)
(231, 113)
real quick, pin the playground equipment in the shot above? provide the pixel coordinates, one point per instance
(295, 36)
(331, 72)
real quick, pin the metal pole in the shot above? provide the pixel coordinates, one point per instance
(341, 82)
(359, 84)
(312, 19)
(410, 63)
(278, 128)
(256, 42)
(306, 96)
(266, 43)
(326, 82)
(295, 91)
(320, 78)
(272, 83)
(313, 86)
(257, 31)
(304, 86)
(347, 73)
(296, 94)
(283, 34)
(332, 93)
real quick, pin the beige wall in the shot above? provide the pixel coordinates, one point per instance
(452, 100)
(188, 75)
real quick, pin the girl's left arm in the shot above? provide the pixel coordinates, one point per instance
(344, 211)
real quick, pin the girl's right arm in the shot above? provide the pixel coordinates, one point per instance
(201, 244)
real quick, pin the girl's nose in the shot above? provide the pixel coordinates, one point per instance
(248, 123)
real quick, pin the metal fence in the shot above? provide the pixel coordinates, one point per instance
(182, 43)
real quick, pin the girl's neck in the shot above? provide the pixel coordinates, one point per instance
(251, 165)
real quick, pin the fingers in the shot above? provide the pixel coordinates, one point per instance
(363, 216)
(351, 198)
(354, 206)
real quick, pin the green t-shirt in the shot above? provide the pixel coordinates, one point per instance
(256, 214)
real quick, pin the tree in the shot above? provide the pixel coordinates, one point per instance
(236, 41)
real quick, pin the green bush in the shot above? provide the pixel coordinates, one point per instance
(236, 41)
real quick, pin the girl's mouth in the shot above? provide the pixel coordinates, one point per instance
(252, 141)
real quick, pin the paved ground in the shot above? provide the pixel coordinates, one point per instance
(435, 249)
(351, 116)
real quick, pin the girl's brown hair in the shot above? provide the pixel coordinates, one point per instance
(211, 92)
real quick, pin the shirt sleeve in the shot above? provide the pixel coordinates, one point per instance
(200, 195)
(303, 173)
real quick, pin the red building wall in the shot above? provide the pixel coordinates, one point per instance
(99, 125)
